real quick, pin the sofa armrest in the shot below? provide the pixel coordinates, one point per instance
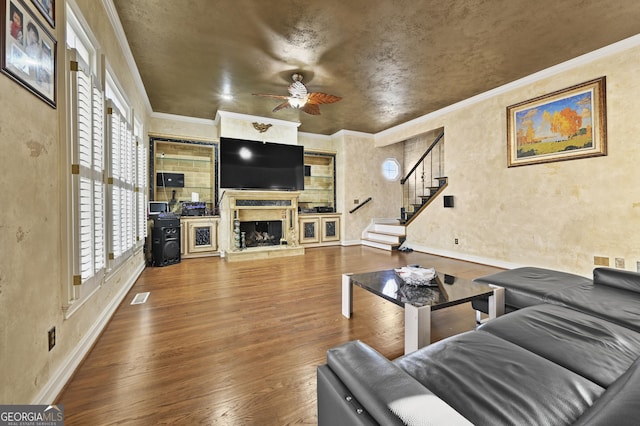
(625, 280)
(388, 393)
(618, 405)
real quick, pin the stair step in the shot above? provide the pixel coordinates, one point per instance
(383, 238)
(383, 228)
(380, 245)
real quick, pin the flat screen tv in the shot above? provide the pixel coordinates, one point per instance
(175, 180)
(246, 164)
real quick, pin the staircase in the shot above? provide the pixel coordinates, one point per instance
(384, 235)
(414, 209)
(420, 187)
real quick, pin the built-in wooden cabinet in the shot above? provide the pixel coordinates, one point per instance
(309, 229)
(199, 236)
(194, 161)
(319, 182)
(321, 229)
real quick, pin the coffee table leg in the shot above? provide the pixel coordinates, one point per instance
(496, 302)
(347, 295)
(417, 327)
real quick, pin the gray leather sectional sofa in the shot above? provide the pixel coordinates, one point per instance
(566, 354)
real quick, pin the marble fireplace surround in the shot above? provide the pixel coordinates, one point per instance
(259, 206)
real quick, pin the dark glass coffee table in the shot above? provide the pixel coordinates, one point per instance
(418, 301)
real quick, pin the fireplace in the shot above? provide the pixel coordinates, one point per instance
(261, 233)
(268, 220)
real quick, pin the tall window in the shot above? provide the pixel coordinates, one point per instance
(86, 112)
(122, 179)
(108, 168)
(142, 188)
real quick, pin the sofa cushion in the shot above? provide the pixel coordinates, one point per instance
(491, 381)
(528, 286)
(603, 301)
(592, 347)
(619, 404)
(625, 280)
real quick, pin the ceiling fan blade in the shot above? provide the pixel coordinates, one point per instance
(322, 98)
(282, 106)
(270, 96)
(312, 109)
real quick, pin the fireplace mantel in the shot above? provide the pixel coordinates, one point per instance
(259, 206)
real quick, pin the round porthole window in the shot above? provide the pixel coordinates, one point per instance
(391, 169)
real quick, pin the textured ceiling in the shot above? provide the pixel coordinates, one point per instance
(390, 61)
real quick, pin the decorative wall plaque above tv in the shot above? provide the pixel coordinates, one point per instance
(246, 164)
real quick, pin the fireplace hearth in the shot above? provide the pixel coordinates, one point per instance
(261, 233)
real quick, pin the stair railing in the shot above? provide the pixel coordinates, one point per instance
(423, 180)
(360, 205)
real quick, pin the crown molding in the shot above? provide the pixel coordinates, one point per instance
(184, 118)
(342, 133)
(247, 117)
(315, 136)
(569, 65)
(126, 51)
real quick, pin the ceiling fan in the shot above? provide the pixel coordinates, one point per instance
(300, 98)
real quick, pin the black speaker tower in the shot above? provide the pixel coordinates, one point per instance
(165, 237)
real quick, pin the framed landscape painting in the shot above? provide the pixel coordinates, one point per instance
(564, 125)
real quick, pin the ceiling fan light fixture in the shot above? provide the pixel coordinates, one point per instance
(298, 102)
(300, 98)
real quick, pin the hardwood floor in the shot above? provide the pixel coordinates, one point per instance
(238, 343)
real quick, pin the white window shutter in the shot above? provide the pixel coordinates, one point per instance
(122, 180)
(88, 145)
(141, 174)
(98, 181)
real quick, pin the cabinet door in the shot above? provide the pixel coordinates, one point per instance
(202, 236)
(330, 229)
(309, 230)
(183, 239)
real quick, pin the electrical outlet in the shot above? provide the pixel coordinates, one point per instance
(600, 261)
(455, 241)
(356, 201)
(52, 337)
(619, 263)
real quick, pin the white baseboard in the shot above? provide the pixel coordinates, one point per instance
(58, 380)
(465, 257)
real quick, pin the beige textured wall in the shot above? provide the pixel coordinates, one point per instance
(317, 142)
(240, 127)
(557, 215)
(183, 127)
(33, 265)
(359, 173)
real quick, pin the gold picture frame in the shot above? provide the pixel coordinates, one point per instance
(564, 125)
